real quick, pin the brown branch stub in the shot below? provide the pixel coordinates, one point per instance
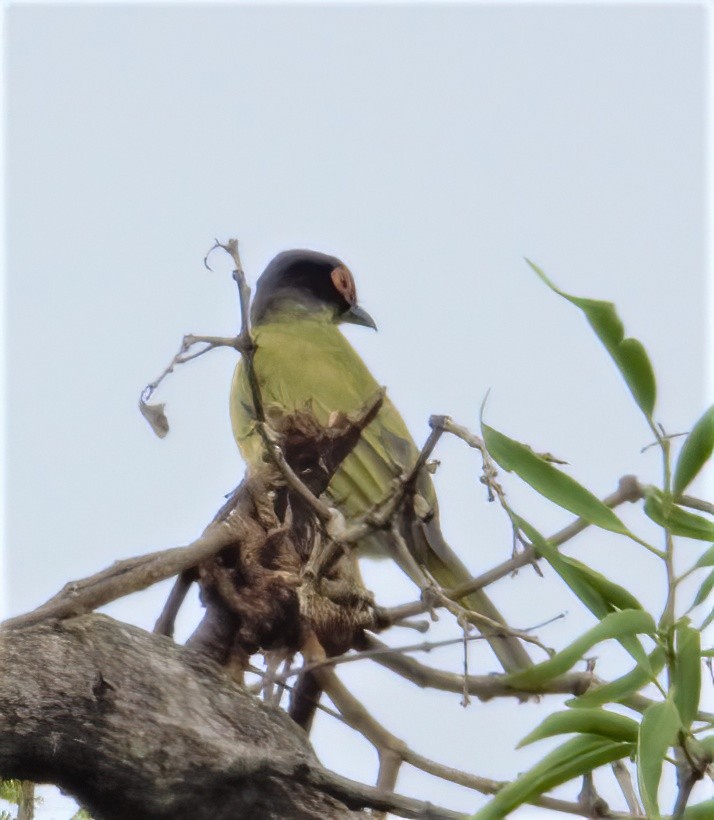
(165, 623)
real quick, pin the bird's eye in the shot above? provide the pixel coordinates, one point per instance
(344, 284)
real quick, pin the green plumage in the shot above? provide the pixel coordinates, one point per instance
(307, 364)
(304, 363)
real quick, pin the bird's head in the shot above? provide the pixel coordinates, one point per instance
(310, 283)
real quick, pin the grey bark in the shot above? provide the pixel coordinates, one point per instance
(135, 726)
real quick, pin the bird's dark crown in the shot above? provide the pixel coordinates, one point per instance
(311, 279)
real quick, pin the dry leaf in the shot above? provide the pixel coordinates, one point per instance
(154, 414)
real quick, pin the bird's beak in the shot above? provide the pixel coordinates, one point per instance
(358, 316)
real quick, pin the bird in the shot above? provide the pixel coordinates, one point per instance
(303, 362)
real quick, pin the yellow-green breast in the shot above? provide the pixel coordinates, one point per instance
(306, 364)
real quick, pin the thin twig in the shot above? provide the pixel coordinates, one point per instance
(343, 534)
(628, 489)
(624, 779)
(494, 487)
(245, 338)
(661, 436)
(182, 356)
(695, 504)
(485, 785)
(484, 687)
(391, 748)
(424, 646)
(381, 515)
(324, 512)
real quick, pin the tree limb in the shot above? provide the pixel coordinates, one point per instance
(127, 576)
(134, 726)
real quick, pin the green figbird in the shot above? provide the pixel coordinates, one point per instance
(303, 362)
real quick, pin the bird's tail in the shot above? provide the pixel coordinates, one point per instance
(430, 547)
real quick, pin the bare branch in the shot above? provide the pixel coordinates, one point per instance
(381, 515)
(243, 343)
(622, 775)
(485, 785)
(424, 646)
(344, 534)
(245, 759)
(247, 345)
(484, 687)
(154, 413)
(628, 489)
(393, 751)
(686, 785)
(696, 504)
(324, 512)
(167, 619)
(124, 577)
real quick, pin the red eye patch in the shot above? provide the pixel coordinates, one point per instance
(344, 284)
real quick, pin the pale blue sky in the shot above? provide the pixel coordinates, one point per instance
(432, 148)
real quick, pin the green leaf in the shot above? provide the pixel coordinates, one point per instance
(600, 595)
(549, 481)
(621, 688)
(677, 520)
(700, 811)
(572, 759)
(585, 722)
(617, 597)
(658, 731)
(707, 621)
(706, 560)
(695, 452)
(615, 625)
(687, 672)
(628, 354)
(704, 591)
